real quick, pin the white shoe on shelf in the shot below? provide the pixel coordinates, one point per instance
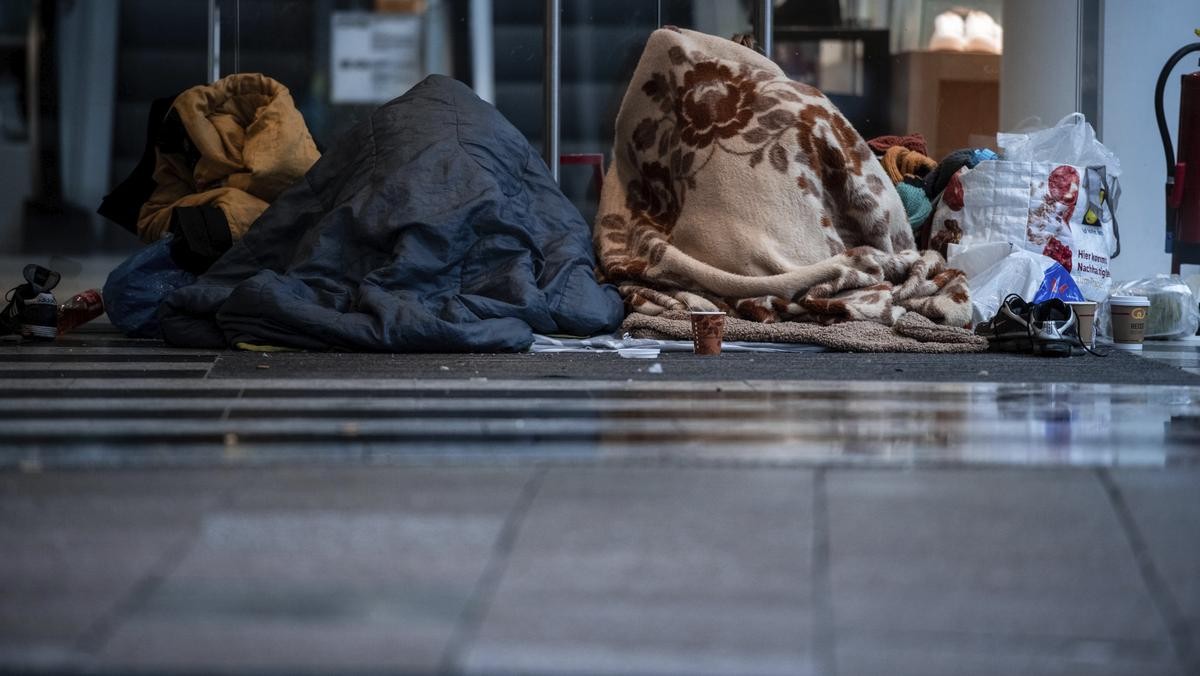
(949, 33)
(982, 33)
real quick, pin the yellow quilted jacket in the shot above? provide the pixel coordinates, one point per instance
(252, 144)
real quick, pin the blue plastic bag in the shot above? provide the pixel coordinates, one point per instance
(1057, 283)
(137, 287)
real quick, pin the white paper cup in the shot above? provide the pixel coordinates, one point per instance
(1128, 315)
(708, 330)
(1085, 314)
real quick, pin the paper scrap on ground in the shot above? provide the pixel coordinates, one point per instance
(640, 348)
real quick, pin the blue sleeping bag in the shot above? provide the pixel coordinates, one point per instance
(432, 226)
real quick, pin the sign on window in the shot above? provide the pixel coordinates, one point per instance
(374, 57)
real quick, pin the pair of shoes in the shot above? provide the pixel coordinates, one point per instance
(1048, 329)
(32, 310)
(976, 32)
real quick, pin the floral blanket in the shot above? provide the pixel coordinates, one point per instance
(735, 188)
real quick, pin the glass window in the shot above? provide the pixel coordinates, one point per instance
(75, 101)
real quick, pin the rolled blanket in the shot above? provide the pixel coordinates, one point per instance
(735, 188)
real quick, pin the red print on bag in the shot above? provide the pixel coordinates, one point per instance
(1059, 252)
(953, 196)
(1049, 223)
(1064, 189)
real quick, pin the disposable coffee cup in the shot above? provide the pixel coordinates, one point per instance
(708, 328)
(1085, 313)
(1129, 320)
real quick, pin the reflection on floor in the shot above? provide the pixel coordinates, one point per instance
(1182, 354)
(194, 511)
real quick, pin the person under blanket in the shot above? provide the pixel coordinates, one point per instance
(735, 188)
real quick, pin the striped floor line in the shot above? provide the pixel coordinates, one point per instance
(95, 399)
(186, 422)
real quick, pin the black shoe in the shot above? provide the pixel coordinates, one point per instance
(1049, 328)
(32, 310)
(1054, 329)
(1008, 330)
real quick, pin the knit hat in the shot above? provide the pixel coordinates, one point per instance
(899, 162)
(916, 142)
(936, 180)
(916, 205)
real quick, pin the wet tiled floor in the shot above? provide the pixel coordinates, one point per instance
(601, 569)
(164, 511)
(1182, 354)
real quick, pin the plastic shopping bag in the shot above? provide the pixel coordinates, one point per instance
(1057, 209)
(995, 270)
(1173, 310)
(137, 287)
(1071, 141)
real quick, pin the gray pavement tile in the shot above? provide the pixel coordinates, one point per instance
(989, 557)
(75, 545)
(341, 569)
(657, 571)
(1165, 505)
(958, 655)
(370, 489)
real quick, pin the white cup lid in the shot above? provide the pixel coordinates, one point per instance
(1129, 300)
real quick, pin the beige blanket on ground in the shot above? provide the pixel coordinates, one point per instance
(911, 333)
(735, 188)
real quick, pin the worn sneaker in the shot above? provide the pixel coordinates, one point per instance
(1054, 329)
(1008, 330)
(32, 310)
(1049, 328)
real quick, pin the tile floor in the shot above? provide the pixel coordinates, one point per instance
(163, 513)
(601, 570)
(1183, 354)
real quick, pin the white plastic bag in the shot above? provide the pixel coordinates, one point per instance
(1055, 208)
(995, 270)
(1173, 311)
(1071, 141)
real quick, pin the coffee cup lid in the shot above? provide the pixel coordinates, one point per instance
(1129, 300)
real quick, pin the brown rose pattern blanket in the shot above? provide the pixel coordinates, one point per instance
(735, 188)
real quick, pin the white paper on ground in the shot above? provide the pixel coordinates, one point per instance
(628, 346)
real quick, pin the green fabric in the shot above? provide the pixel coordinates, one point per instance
(916, 204)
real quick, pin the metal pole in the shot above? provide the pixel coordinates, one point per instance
(550, 85)
(483, 67)
(765, 26)
(1090, 62)
(237, 36)
(214, 41)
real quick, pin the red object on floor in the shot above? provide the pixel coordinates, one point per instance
(594, 159)
(83, 307)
